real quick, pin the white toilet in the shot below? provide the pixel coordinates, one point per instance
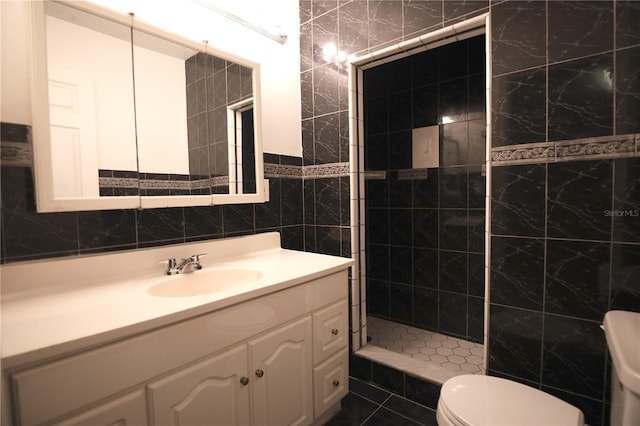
(475, 400)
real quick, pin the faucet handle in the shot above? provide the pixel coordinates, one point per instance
(172, 265)
(195, 260)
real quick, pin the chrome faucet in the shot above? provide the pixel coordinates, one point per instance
(174, 267)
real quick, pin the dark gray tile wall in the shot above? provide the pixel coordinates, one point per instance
(425, 236)
(565, 236)
(532, 102)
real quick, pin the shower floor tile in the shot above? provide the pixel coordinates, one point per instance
(436, 349)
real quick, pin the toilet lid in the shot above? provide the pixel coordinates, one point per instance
(476, 400)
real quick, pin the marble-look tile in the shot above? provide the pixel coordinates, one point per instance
(517, 197)
(354, 411)
(475, 319)
(519, 110)
(328, 240)
(377, 297)
(327, 196)
(457, 8)
(400, 192)
(385, 21)
(477, 96)
(453, 100)
(398, 75)
(425, 228)
(319, 7)
(308, 153)
(425, 268)
(424, 392)
(577, 278)
(517, 272)
(425, 307)
(477, 191)
(627, 18)
(376, 116)
(627, 91)
(325, 33)
(400, 229)
(400, 149)
(519, 35)
(425, 106)
(238, 218)
(574, 354)
(353, 29)
(476, 53)
(404, 408)
(425, 191)
(306, 47)
(421, 14)
(515, 337)
(453, 187)
(378, 262)
(425, 65)
(587, 32)
(325, 90)
(626, 202)
(625, 275)
(452, 314)
(305, 10)
(454, 144)
(475, 230)
(453, 60)
(157, 225)
(388, 378)
(400, 302)
(376, 152)
(579, 194)
(268, 215)
(400, 111)
(593, 409)
(581, 98)
(453, 224)
(377, 193)
(475, 274)
(452, 271)
(202, 220)
(477, 141)
(326, 130)
(306, 88)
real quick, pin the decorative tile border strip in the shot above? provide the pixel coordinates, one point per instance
(569, 150)
(412, 174)
(325, 170)
(375, 175)
(17, 154)
(282, 171)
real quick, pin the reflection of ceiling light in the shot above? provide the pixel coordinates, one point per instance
(608, 80)
(330, 53)
(446, 119)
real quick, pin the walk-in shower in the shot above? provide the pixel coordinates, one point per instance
(421, 126)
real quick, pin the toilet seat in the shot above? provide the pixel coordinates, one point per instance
(476, 400)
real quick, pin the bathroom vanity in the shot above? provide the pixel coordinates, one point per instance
(91, 340)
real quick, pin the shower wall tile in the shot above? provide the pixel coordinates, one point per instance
(421, 14)
(353, 30)
(450, 321)
(587, 32)
(401, 302)
(581, 98)
(385, 21)
(579, 195)
(452, 268)
(519, 30)
(425, 308)
(455, 9)
(425, 268)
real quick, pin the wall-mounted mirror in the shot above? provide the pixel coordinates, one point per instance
(127, 116)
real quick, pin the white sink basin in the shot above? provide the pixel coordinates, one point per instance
(204, 281)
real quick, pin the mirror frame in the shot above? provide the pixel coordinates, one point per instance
(42, 150)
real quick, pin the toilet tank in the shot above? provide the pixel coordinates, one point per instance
(622, 330)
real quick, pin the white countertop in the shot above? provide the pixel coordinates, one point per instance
(56, 307)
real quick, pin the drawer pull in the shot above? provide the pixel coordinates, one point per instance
(334, 331)
(336, 383)
(244, 381)
(259, 373)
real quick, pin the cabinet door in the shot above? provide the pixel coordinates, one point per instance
(212, 392)
(128, 410)
(282, 371)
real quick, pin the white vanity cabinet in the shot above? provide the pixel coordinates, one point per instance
(277, 359)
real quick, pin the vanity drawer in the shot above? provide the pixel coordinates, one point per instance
(331, 382)
(330, 331)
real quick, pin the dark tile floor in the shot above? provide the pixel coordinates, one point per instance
(370, 405)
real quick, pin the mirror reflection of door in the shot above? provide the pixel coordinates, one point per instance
(88, 92)
(242, 173)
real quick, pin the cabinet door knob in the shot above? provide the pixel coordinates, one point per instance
(244, 381)
(334, 331)
(259, 373)
(336, 383)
